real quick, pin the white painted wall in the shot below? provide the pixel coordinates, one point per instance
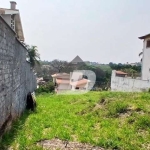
(146, 61)
(126, 84)
(62, 88)
(76, 75)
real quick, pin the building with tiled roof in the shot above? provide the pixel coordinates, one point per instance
(64, 82)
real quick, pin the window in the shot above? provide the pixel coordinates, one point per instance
(148, 44)
(85, 77)
(77, 88)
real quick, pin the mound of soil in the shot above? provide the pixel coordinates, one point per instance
(55, 144)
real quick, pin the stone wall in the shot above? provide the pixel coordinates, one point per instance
(126, 84)
(16, 76)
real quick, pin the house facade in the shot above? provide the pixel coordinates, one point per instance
(13, 19)
(70, 82)
(146, 57)
(120, 83)
(62, 82)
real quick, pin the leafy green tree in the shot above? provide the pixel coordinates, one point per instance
(133, 71)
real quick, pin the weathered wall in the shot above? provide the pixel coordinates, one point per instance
(128, 84)
(16, 75)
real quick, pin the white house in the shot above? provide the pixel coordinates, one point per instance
(70, 82)
(146, 57)
(13, 19)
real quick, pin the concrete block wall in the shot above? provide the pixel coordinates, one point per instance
(16, 75)
(125, 84)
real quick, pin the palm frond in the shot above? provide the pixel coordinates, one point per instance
(33, 55)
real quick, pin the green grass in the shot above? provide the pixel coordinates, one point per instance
(111, 120)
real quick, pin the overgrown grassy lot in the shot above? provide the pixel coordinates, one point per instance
(107, 119)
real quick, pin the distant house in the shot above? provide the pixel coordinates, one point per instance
(74, 81)
(13, 19)
(68, 82)
(62, 82)
(121, 74)
(80, 85)
(40, 81)
(135, 84)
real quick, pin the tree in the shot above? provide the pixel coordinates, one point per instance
(33, 55)
(59, 65)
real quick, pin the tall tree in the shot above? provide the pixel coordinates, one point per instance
(59, 65)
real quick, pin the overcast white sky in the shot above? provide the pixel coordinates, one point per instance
(97, 30)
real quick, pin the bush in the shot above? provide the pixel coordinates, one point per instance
(47, 88)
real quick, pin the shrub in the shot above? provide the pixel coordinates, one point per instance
(47, 88)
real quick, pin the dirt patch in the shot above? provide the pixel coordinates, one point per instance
(97, 106)
(102, 101)
(57, 144)
(86, 110)
(92, 108)
(146, 146)
(125, 115)
(130, 110)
